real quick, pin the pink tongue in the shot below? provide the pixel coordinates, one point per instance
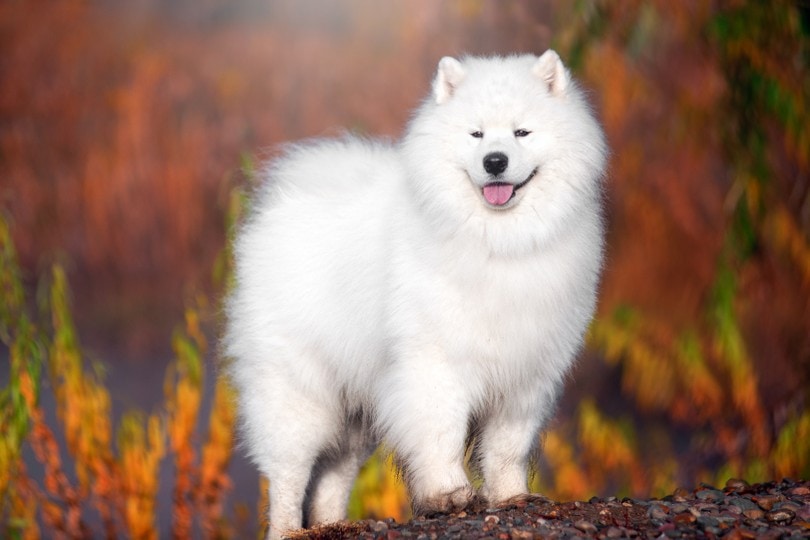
(498, 193)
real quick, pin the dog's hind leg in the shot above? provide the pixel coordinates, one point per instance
(335, 474)
(288, 424)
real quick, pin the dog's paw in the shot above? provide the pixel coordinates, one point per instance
(446, 503)
(523, 499)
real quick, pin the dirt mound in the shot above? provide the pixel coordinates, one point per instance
(740, 510)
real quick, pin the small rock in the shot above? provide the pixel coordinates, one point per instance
(492, 520)
(518, 534)
(379, 526)
(658, 512)
(681, 495)
(742, 503)
(726, 520)
(686, 518)
(393, 534)
(678, 508)
(709, 495)
(787, 505)
(766, 502)
(614, 532)
(754, 513)
(782, 517)
(736, 484)
(706, 507)
(739, 534)
(708, 521)
(585, 526)
(799, 490)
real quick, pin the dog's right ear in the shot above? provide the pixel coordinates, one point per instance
(448, 77)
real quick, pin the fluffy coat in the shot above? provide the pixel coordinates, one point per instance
(418, 293)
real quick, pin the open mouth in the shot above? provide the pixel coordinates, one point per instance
(500, 193)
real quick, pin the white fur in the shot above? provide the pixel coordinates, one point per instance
(380, 298)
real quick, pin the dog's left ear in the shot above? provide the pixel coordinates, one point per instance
(448, 77)
(552, 72)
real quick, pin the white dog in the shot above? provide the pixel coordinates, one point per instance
(428, 295)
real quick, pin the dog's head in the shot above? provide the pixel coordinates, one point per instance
(506, 145)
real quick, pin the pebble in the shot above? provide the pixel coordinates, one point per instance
(706, 507)
(657, 512)
(685, 518)
(780, 516)
(766, 502)
(787, 505)
(754, 513)
(739, 534)
(681, 495)
(736, 484)
(726, 521)
(709, 495)
(585, 526)
(678, 508)
(708, 521)
(742, 503)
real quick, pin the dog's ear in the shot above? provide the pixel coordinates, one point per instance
(552, 72)
(448, 77)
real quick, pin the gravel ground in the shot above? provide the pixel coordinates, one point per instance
(770, 510)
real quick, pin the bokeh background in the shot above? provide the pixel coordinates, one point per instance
(131, 132)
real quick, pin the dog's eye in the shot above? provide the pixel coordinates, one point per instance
(477, 134)
(521, 132)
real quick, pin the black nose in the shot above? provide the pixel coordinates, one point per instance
(495, 163)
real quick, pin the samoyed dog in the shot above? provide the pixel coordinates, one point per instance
(429, 295)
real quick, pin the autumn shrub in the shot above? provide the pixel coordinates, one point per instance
(89, 481)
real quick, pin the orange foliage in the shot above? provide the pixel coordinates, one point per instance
(121, 485)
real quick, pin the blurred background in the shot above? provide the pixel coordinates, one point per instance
(129, 133)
